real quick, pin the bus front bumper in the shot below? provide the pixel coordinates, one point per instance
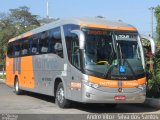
(92, 95)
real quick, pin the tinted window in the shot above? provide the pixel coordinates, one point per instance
(44, 42)
(75, 52)
(69, 36)
(17, 48)
(25, 48)
(35, 46)
(72, 44)
(10, 51)
(55, 45)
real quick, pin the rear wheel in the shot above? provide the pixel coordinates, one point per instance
(17, 90)
(61, 101)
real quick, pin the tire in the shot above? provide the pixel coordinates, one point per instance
(17, 90)
(61, 101)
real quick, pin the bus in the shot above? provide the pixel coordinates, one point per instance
(87, 60)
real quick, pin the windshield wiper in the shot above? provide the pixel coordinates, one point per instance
(112, 57)
(125, 60)
(129, 65)
(108, 72)
(111, 66)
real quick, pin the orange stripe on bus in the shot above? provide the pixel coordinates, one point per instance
(27, 34)
(108, 27)
(142, 81)
(133, 83)
(114, 83)
(21, 36)
(27, 72)
(26, 77)
(103, 82)
(9, 72)
(13, 39)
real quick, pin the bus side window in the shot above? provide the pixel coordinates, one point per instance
(72, 44)
(56, 42)
(34, 48)
(10, 52)
(75, 55)
(43, 43)
(17, 48)
(25, 47)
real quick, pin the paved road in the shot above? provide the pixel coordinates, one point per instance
(34, 103)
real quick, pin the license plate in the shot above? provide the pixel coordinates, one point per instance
(120, 97)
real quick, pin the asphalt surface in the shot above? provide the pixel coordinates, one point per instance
(31, 103)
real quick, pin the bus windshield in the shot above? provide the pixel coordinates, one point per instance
(108, 51)
(128, 49)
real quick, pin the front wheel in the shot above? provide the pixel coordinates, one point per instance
(17, 90)
(61, 101)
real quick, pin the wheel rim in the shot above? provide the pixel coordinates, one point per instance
(17, 87)
(60, 95)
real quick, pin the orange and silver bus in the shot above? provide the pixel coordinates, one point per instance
(87, 60)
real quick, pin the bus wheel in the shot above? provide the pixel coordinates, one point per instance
(60, 98)
(16, 87)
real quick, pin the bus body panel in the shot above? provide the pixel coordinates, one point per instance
(46, 69)
(38, 73)
(23, 69)
(91, 95)
(114, 83)
(106, 92)
(9, 72)
(26, 76)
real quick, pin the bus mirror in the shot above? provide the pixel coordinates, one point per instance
(152, 43)
(81, 37)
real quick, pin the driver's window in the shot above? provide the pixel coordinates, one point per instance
(75, 55)
(72, 44)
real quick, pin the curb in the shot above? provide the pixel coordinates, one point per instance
(153, 102)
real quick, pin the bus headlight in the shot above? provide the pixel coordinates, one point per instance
(142, 87)
(90, 84)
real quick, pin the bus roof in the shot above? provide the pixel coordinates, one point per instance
(85, 21)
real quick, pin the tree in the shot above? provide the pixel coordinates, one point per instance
(7, 31)
(16, 22)
(154, 83)
(157, 13)
(23, 19)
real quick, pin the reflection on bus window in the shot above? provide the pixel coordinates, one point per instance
(56, 42)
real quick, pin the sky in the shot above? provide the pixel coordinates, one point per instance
(134, 12)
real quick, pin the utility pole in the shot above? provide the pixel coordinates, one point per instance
(152, 23)
(152, 16)
(47, 9)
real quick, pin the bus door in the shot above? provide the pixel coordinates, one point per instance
(75, 83)
(17, 59)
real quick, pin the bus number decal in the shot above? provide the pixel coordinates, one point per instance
(123, 36)
(75, 85)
